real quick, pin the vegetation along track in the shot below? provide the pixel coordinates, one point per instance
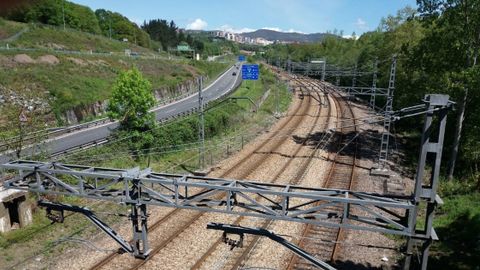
(177, 221)
(238, 256)
(325, 242)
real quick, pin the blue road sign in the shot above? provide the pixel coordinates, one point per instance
(241, 58)
(250, 72)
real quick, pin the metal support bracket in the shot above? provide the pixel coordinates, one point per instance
(240, 230)
(58, 207)
(426, 191)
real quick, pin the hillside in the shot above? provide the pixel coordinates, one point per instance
(37, 36)
(286, 36)
(66, 14)
(65, 76)
(72, 82)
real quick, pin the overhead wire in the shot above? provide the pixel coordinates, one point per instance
(244, 134)
(346, 243)
(87, 243)
(163, 125)
(126, 154)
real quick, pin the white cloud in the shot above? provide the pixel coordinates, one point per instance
(231, 29)
(272, 28)
(350, 37)
(197, 24)
(361, 24)
(291, 30)
(295, 31)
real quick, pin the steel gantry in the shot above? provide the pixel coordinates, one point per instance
(372, 91)
(319, 68)
(323, 207)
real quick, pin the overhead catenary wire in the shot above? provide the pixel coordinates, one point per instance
(132, 152)
(180, 146)
(344, 242)
(162, 125)
(164, 149)
(84, 242)
(116, 156)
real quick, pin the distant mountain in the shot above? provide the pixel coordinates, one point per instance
(286, 36)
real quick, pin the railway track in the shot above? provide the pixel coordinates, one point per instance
(183, 219)
(323, 242)
(238, 256)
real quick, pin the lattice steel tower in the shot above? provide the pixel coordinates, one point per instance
(383, 157)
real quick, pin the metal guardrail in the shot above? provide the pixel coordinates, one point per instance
(50, 133)
(106, 140)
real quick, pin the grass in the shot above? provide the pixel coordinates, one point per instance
(39, 238)
(457, 223)
(50, 37)
(9, 28)
(74, 86)
(71, 85)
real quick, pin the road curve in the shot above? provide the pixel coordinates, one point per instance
(223, 85)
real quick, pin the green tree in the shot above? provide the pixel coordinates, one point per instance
(81, 18)
(448, 58)
(131, 100)
(53, 12)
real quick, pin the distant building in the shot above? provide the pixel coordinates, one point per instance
(239, 38)
(263, 42)
(230, 36)
(220, 34)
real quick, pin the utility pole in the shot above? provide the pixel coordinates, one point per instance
(337, 81)
(354, 79)
(201, 126)
(110, 26)
(276, 96)
(324, 68)
(63, 13)
(22, 120)
(374, 84)
(289, 65)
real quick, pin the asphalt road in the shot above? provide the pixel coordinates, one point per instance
(221, 86)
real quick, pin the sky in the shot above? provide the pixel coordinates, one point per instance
(304, 16)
